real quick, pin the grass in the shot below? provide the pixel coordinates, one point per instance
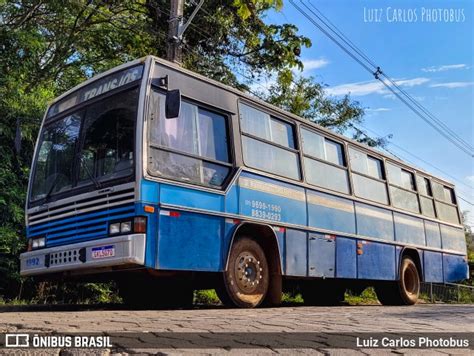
(367, 297)
(14, 302)
(292, 298)
(207, 297)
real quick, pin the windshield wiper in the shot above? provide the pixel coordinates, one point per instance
(89, 174)
(53, 184)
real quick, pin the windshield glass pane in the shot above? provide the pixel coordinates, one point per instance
(107, 151)
(53, 172)
(95, 143)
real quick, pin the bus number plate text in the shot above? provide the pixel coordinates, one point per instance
(103, 252)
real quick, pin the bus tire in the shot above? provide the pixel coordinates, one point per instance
(406, 290)
(246, 279)
(322, 293)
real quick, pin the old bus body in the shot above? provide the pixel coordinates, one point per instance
(234, 191)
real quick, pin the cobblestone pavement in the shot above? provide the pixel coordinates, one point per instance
(371, 319)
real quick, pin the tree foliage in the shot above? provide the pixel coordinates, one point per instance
(47, 47)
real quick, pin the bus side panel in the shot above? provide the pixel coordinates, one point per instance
(150, 196)
(433, 234)
(150, 192)
(346, 258)
(270, 199)
(409, 229)
(232, 200)
(296, 253)
(455, 268)
(377, 261)
(453, 238)
(321, 255)
(189, 241)
(433, 267)
(374, 222)
(329, 212)
(191, 198)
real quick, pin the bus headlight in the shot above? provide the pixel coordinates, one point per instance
(38, 243)
(135, 225)
(114, 228)
(125, 227)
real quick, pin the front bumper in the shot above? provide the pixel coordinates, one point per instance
(118, 251)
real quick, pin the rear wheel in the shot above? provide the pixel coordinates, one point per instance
(406, 290)
(246, 280)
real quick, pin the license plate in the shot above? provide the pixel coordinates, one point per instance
(103, 252)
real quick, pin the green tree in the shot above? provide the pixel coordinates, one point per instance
(306, 98)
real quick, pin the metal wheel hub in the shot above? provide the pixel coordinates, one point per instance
(248, 272)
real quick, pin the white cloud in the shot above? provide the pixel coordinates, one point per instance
(452, 85)
(470, 179)
(445, 67)
(372, 87)
(311, 64)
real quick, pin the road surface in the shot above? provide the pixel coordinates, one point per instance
(241, 325)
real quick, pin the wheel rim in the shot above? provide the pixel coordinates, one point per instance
(248, 271)
(411, 280)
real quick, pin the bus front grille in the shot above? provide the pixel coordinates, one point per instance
(81, 218)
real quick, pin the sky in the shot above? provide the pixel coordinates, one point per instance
(430, 57)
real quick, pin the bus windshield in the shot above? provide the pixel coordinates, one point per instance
(88, 146)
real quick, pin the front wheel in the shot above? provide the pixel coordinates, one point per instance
(406, 290)
(246, 280)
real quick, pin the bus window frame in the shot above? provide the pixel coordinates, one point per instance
(426, 196)
(345, 166)
(383, 161)
(455, 205)
(279, 117)
(230, 145)
(415, 189)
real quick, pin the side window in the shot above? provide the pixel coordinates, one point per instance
(374, 167)
(262, 125)
(367, 176)
(449, 195)
(426, 196)
(268, 143)
(424, 186)
(402, 188)
(192, 148)
(324, 162)
(445, 202)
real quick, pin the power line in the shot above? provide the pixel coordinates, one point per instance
(341, 35)
(422, 112)
(344, 38)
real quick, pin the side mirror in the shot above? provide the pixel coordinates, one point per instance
(173, 104)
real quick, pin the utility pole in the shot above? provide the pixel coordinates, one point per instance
(176, 29)
(173, 50)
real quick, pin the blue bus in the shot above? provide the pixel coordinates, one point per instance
(166, 181)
